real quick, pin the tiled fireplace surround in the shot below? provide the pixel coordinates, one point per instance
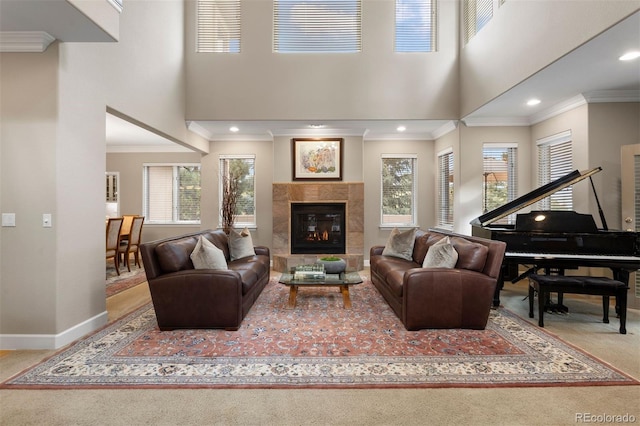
(350, 193)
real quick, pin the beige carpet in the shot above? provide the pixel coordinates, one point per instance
(522, 406)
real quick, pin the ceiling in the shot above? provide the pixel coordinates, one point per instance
(592, 73)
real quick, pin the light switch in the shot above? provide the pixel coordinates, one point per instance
(8, 219)
(46, 220)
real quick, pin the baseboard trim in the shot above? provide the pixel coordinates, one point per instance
(52, 341)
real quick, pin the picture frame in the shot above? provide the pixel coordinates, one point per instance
(317, 158)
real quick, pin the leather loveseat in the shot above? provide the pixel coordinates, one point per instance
(458, 297)
(185, 297)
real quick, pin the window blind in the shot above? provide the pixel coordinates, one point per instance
(445, 189)
(218, 26)
(159, 185)
(476, 15)
(416, 22)
(317, 26)
(500, 177)
(171, 193)
(555, 159)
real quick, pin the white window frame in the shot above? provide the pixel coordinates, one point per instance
(415, 32)
(149, 218)
(555, 159)
(511, 169)
(413, 222)
(444, 193)
(237, 223)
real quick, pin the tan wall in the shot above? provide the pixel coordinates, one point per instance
(265, 165)
(524, 37)
(27, 188)
(53, 132)
(374, 84)
(611, 126)
(373, 150)
(130, 189)
(468, 201)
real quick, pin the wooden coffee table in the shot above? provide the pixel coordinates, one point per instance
(342, 281)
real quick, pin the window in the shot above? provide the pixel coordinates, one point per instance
(399, 190)
(476, 15)
(500, 177)
(171, 193)
(445, 189)
(242, 168)
(554, 161)
(415, 26)
(218, 26)
(324, 26)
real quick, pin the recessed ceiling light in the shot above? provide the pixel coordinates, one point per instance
(401, 128)
(316, 126)
(634, 54)
(532, 102)
(233, 129)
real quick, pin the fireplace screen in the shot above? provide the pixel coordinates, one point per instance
(318, 228)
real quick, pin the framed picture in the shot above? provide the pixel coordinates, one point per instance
(317, 159)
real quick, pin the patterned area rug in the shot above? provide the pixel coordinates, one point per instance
(319, 344)
(118, 283)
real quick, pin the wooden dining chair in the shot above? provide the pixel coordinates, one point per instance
(131, 245)
(114, 225)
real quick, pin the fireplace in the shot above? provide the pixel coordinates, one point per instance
(318, 228)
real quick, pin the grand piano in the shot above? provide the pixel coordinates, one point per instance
(554, 241)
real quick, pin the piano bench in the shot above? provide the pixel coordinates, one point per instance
(602, 286)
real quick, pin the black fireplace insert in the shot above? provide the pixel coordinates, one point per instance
(318, 228)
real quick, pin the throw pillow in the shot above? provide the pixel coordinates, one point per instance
(206, 255)
(400, 244)
(240, 244)
(441, 255)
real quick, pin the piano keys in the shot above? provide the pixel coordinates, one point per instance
(557, 240)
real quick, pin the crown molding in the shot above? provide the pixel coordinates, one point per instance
(25, 41)
(599, 96)
(448, 127)
(496, 121)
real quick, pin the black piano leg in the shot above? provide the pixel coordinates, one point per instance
(621, 300)
(531, 296)
(605, 309)
(496, 293)
(542, 297)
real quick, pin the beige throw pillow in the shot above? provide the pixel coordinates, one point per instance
(441, 255)
(400, 244)
(240, 244)
(206, 255)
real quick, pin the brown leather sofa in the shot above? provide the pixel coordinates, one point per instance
(184, 297)
(440, 297)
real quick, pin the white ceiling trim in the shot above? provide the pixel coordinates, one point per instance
(25, 41)
(111, 149)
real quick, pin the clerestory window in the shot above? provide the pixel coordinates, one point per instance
(317, 26)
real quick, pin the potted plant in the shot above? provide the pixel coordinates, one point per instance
(333, 264)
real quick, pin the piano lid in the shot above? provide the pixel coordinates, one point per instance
(533, 196)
